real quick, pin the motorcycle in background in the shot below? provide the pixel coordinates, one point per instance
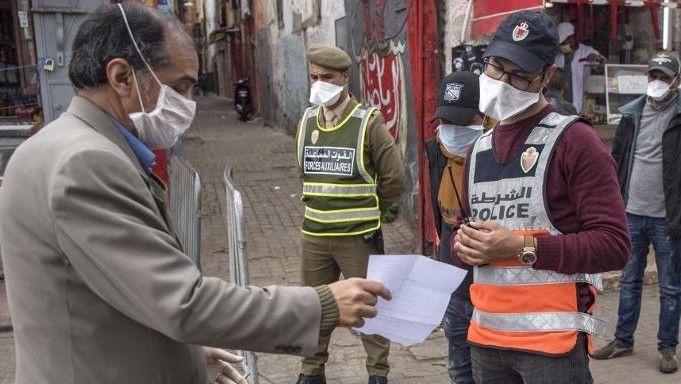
(242, 99)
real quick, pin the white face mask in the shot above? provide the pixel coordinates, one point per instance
(502, 101)
(457, 138)
(172, 115)
(323, 93)
(658, 89)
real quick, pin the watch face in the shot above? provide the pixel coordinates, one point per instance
(528, 258)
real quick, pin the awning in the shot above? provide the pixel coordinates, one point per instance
(626, 3)
(652, 5)
(221, 34)
(487, 15)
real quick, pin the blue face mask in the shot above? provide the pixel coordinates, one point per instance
(457, 138)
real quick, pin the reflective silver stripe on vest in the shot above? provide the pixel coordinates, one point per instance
(541, 322)
(328, 189)
(332, 216)
(530, 276)
(313, 112)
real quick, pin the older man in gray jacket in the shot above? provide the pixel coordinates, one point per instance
(99, 288)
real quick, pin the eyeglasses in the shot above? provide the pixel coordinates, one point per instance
(496, 72)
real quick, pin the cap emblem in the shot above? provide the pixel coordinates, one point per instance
(521, 31)
(661, 60)
(452, 92)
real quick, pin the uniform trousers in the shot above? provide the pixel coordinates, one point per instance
(324, 259)
(506, 366)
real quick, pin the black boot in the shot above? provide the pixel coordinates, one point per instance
(378, 379)
(307, 379)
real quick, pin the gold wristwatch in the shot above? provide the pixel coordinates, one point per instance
(528, 256)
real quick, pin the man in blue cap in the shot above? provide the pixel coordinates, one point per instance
(542, 188)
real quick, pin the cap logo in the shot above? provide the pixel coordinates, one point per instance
(661, 60)
(521, 31)
(452, 92)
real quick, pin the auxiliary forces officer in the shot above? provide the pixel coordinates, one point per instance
(351, 172)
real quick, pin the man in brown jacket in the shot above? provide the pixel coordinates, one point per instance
(99, 288)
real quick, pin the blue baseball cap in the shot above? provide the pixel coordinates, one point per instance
(528, 39)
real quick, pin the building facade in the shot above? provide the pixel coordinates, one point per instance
(400, 51)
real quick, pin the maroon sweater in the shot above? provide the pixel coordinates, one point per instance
(583, 196)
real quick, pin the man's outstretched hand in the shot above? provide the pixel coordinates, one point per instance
(357, 299)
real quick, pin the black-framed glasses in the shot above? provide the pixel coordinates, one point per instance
(496, 72)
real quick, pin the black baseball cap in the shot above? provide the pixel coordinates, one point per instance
(665, 61)
(528, 39)
(457, 98)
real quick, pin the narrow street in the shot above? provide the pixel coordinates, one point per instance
(263, 169)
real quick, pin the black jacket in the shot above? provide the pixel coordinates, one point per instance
(436, 167)
(623, 151)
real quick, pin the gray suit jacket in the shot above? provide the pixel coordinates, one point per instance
(99, 289)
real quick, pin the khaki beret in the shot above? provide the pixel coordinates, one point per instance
(328, 56)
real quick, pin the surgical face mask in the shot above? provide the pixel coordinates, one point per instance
(323, 93)
(502, 101)
(658, 90)
(457, 138)
(172, 115)
(565, 48)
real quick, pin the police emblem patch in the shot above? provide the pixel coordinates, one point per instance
(452, 92)
(314, 136)
(529, 159)
(521, 31)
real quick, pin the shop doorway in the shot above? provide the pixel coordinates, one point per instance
(56, 23)
(19, 78)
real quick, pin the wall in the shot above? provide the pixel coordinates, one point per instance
(325, 30)
(454, 18)
(376, 33)
(210, 22)
(283, 29)
(290, 79)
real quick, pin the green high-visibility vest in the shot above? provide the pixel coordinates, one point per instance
(338, 192)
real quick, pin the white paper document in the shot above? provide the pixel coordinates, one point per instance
(420, 289)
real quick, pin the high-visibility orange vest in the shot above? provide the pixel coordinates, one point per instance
(519, 307)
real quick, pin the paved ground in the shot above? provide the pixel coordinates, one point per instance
(262, 159)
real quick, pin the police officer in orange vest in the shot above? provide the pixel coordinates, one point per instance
(548, 217)
(351, 172)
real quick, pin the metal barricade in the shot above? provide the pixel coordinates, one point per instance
(185, 206)
(238, 265)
